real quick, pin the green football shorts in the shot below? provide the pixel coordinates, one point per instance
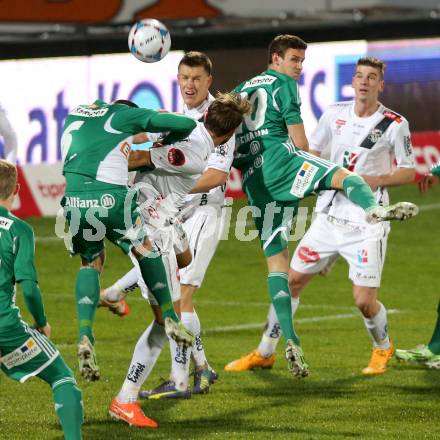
(25, 352)
(95, 215)
(275, 198)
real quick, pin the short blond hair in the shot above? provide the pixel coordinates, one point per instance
(8, 179)
(226, 113)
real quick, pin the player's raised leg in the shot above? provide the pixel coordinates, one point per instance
(359, 192)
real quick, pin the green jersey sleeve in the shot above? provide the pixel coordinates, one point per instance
(288, 102)
(24, 250)
(137, 120)
(436, 169)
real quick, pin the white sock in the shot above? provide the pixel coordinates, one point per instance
(272, 332)
(145, 355)
(198, 351)
(180, 360)
(124, 285)
(377, 328)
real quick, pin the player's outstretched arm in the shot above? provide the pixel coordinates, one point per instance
(178, 126)
(400, 176)
(140, 160)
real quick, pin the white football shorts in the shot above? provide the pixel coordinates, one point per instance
(362, 246)
(203, 228)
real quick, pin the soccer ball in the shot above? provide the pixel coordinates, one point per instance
(149, 40)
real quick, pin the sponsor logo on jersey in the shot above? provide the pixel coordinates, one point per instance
(258, 162)
(125, 148)
(349, 160)
(375, 135)
(251, 136)
(21, 355)
(176, 157)
(407, 145)
(259, 81)
(308, 255)
(255, 147)
(339, 124)
(303, 179)
(88, 112)
(6, 223)
(107, 201)
(394, 116)
(362, 256)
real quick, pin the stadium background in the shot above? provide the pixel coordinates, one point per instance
(54, 55)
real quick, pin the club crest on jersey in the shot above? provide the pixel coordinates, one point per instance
(375, 135)
(303, 179)
(176, 157)
(21, 355)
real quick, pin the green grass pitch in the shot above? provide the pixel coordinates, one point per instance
(335, 402)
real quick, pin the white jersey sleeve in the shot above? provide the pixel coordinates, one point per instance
(322, 135)
(222, 157)
(401, 141)
(9, 137)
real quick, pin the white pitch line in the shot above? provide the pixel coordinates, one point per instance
(253, 326)
(131, 297)
(259, 325)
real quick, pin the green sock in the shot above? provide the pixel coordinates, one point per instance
(434, 343)
(69, 408)
(155, 277)
(359, 192)
(87, 300)
(279, 293)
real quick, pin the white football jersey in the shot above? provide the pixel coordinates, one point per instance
(178, 167)
(220, 159)
(371, 146)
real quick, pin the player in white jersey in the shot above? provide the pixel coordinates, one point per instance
(176, 169)
(203, 211)
(9, 137)
(364, 137)
(204, 222)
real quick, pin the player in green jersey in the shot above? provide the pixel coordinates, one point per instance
(27, 351)
(96, 144)
(278, 172)
(428, 355)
